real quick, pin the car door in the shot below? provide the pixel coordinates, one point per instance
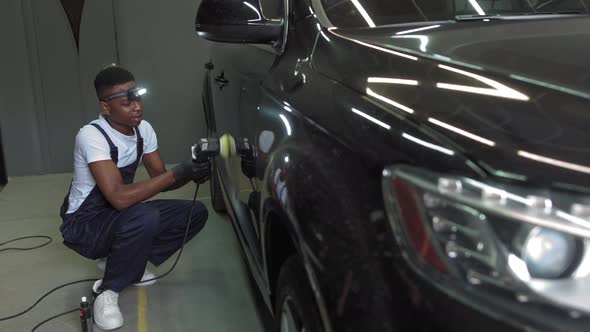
(261, 58)
(235, 80)
(237, 73)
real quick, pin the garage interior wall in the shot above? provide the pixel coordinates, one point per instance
(46, 82)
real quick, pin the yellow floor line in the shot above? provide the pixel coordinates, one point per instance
(142, 295)
(141, 309)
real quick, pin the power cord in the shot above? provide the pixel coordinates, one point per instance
(52, 318)
(27, 237)
(188, 223)
(91, 280)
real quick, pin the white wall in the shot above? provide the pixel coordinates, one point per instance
(46, 91)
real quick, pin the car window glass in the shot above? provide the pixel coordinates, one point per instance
(272, 8)
(368, 13)
(348, 13)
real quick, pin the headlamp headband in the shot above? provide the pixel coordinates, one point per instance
(131, 94)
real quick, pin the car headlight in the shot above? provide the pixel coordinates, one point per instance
(493, 242)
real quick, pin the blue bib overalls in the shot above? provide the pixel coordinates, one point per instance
(151, 230)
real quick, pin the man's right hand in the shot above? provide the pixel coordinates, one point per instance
(188, 170)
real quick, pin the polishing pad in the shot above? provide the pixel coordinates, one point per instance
(227, 146)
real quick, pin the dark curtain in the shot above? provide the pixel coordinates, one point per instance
(73, 9)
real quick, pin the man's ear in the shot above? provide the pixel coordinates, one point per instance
(105, 109)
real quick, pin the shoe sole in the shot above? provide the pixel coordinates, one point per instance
(104, 328)
(102, 268)
(143, 284)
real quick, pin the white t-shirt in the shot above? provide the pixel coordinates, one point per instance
(92, 146)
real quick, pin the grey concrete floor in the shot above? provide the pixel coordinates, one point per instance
(209, 290)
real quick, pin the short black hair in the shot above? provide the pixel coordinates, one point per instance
(111, 76)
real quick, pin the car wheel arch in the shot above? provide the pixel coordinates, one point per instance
(281, 224)
(277, 236)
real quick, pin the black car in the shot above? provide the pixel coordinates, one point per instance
(407, 165)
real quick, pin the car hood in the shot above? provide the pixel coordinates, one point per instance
(513, 96)
(552, 50)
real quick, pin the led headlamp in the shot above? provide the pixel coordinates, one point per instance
(131, 94)
(518, 252)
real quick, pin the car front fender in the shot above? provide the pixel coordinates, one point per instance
(313, 193)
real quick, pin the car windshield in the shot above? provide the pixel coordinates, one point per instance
(370, 13)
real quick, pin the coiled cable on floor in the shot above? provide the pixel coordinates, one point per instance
(27, 237)
(92, 280)
(52, 318)
(44, 296)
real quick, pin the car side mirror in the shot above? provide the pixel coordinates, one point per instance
(237, 21)
(3, 176)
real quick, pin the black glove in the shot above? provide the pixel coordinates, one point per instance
(249, 168)
(188, 170)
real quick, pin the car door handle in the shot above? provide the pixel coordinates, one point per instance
(221, 81)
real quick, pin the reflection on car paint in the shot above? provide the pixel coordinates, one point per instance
(266, 140)
(499, 89)
(418, 29)
(389, 101)
(372, 119)
(554, 162)
(428, 145)
(287, 124)
(462, 132)
(389, 80)
(421, 38)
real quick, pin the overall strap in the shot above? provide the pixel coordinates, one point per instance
(139, 143)
(113, 148)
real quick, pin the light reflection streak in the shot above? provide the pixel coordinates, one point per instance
(322, 32)
(364, 13)
(423, 40)
(552, 86)
(388, 80)
(461, 132)
(418, 29)
(555, 162)
(499, 192)
(389, 101)
(573, 219)
(477, 7)
(255, 10)
(518, 266)
(332, 30)
(428, 145)
(287, 124)
(411, 57)
(457, 62)
(499, 89)
(372, 119)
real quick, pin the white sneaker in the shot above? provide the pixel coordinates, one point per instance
(107, 315)
(147, 274)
